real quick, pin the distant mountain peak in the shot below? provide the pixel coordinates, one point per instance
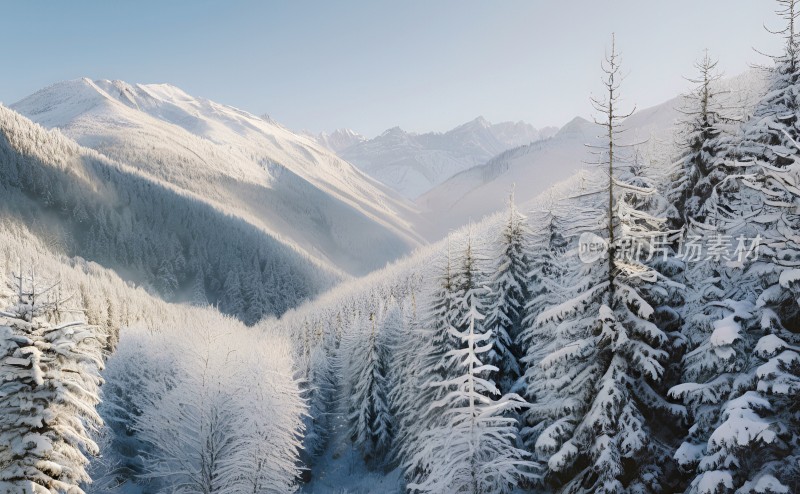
(414, 163)
(480, 120)
(576, 126)
(340, 139)
(343, 133)
(394, 130)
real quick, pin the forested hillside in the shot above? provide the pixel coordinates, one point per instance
(181, 385)
(169, 241)
(286, 185)
(636, 331)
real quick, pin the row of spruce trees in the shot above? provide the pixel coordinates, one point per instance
(664, 371)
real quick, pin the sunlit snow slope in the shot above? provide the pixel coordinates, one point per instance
(283, 183)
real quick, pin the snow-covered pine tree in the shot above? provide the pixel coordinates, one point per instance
(711, 300)
(166, 281)
(198, 293)
(49, 380)
(408, 345)
(708, 128)
(547, 267)
(469, 285)
(232, 299)
(741, 382)
(471, 449)
(366, 371)
(599, 377)
(547, 288)
(427, 339)
(256, 302)
(508, 293)
(442, 314)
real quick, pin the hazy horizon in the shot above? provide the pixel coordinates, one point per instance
(422, 67)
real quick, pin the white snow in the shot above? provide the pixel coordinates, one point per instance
(769, 345)
(789, 276)
(340, 139)
(726, 332)
(283, 183)
(710, 482)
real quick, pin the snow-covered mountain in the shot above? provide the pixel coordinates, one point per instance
(340, 139)
(414, 163)
(482, 189)
(284, 184)
(154, 234)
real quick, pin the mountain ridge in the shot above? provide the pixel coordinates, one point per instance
(281, 182)
(411, 163)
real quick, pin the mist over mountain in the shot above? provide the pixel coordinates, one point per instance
(413, 163)
(478, 191)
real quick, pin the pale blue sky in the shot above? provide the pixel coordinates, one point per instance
(371, 65)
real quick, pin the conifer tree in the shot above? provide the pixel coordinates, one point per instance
(508, 293)
(318, 391)
(49, 380)
(547, 280)
(599, 377)
(471, 448)
(408, 344)
(369, 414)
(442, 313)
(427, 352)
(708, 129)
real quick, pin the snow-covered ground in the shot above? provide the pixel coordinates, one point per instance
(341, 469)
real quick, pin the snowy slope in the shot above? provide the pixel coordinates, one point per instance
(283, 183)
(340, 139)
(413, 163)
(482, 190)
(150, 232)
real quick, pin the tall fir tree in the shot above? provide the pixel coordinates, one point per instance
(708, 129)
(369, 413)
(508, 293)
(599, 378)
(406, 344)
(546, 288)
